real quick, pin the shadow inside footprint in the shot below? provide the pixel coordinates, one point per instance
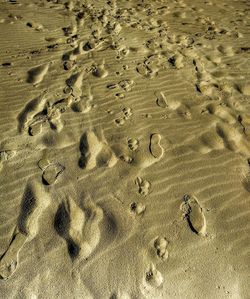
(28, 205)
(62, 226)
(84, 148)
(95, 152)
(194, 215)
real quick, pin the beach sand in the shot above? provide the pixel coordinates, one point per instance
(124, 149)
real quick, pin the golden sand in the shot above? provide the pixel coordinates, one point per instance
(124, 149)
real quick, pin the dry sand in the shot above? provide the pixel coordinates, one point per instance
(125, 149)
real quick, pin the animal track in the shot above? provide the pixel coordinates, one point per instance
(193, 213)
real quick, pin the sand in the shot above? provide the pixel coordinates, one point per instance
(124, 149)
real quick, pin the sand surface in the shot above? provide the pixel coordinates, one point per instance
(125, 149)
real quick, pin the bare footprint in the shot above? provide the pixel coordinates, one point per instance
(51, 173)
(143, 186)
(155, 148)
(160, 244)
(193, 213)
(161, 100)
(34, 201)
(10, 258)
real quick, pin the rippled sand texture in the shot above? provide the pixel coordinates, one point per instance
(124, 149)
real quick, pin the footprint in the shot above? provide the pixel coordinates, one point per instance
(161, 99)
(79, 228)
(126, 158)
(5, 156)
(133, 144)
(81, 106)
(126, 84)
(95, 152)
(82, 103)
(233, 138)
(35, 201)
(151, 65)
(51, 173)
(177, 61)
(119, 121)
(193, 213)
(208, 142)
(226, 50)
(244, 88)
(75, 82)
(223, 136)
(127, 112)
(160, 244)
(31, 112)
(142, 69)
(143, 186)
(40, 112)
(155, 148)
(222, 112)
(69, 64)
(153, 277)
(37, 74)
(246, 181)
(35, 128)
(35, 25)
(91, 45)
(100, 71)
(10, 259)
(137, 208)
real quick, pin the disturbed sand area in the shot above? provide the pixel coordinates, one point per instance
(124, 149)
